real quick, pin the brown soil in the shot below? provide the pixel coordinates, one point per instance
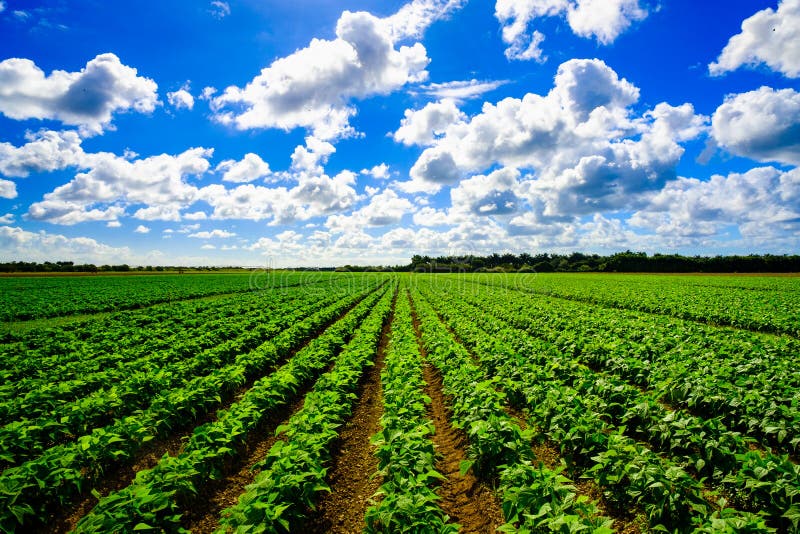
(468, 501)
(120, 476)
(351, 473)
(217, 495)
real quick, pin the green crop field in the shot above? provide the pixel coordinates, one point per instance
(377, 402)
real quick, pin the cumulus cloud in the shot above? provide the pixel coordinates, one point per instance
(213, 234)
(158, 182)
(385, 208)
(603, 20)
(88, 98)
(414, 18)
(8, 189)
(313, 87)
(763, 125)
(181, 99)
(249, 169)
(493, 194)
(19, 244)
(142, 229)
(45, 151)
(763, 203)
(379, 172)
(586, 150)
(423, 126)
(770, 37)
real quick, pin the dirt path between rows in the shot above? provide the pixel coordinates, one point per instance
(354, 463)
(468, 501)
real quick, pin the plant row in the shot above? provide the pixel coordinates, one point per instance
(293, 473)
(563, 405)
(534, 497)
(749, 380)
(406, 500)
(157, 496)
(26, 438)
(27, 491)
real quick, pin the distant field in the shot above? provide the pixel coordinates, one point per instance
(339, 402)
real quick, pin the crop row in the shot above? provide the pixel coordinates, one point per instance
(734, 306)
(578, 410)
(27, 437)
(406, 499)
(132, 383)
(293, 472)
(534, 498)
(154, 500)
(28, 490)
(749, 380)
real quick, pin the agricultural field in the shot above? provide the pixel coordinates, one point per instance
(340, 402)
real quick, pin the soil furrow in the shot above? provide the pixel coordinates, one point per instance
(468, 501)
(351, 473)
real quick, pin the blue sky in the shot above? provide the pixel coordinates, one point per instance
(261, 132)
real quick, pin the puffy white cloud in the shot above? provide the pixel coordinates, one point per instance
(493, 194)
(45, 151)
(220, 9)
(8, 218)
(313, 86)
(87, 99)
(195, 216)
(422, 126)
(142, 229)
(379, 172)
(213, 234)
(250, 168)
(181, 99)
(770, 37)
(113, 224)
(461, 90)
(384, 209)
(19, 244)
(158, 182)
(586, 150)
(208, 246)
(763, 125)
(8, 189)
(604, 20)
(763, 203)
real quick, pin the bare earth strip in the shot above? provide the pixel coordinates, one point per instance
(351, 473)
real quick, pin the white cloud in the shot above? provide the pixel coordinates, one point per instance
(158, 182)
(213, 234)
(20, 244)
(423, 126)
(45, 151)
(313, 87)
(586, 149)
(208, 246)
(87, 99)
(604, 20)
(220, 9)
(250, 168)
(385, 208)
(8, 189)
(493, 194)
(8, 218)
(195, 216)
(379, 172)
(763, 125)
(763, 203)
(113, 224)
(142, 229)
(181, 99)
(461, 90)
(770, 37)
(415, 17)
